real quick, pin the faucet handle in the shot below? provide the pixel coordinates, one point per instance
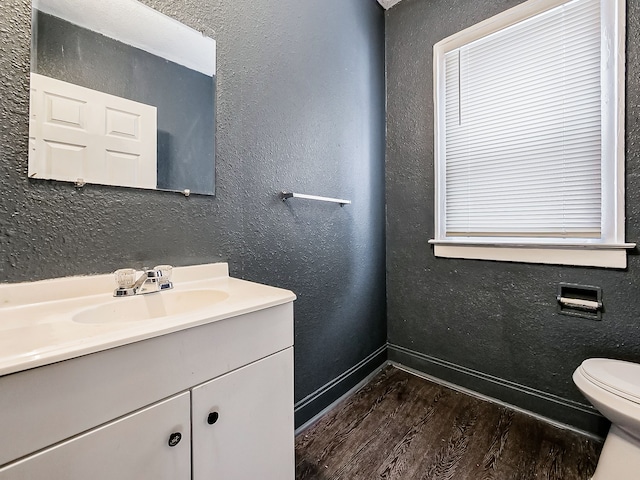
(165, 272)
(125, 277)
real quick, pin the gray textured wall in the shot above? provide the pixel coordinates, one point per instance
(498, 319)
(300, 92)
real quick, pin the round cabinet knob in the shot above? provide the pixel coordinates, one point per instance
(174, 439)
(212, 418)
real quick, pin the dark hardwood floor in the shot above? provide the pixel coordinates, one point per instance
(400, 426)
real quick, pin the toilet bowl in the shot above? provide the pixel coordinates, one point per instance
(613, 387)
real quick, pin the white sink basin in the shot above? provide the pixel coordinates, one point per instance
(150, 306)
(59, 319)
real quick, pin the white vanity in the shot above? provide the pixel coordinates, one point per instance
(166, 385)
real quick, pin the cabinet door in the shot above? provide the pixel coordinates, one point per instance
(243, 422)
(135, 447)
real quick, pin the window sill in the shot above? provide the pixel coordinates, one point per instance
(607, 256)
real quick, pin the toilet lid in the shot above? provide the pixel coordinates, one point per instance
(618, 377)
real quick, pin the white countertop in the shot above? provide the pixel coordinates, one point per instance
(37, 326)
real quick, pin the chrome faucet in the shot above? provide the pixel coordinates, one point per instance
(151, 280)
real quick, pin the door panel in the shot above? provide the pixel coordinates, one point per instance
(136, 447)
(243, 422)
(94, 128)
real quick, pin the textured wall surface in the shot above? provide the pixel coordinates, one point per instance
(300, 92)
(495, 318)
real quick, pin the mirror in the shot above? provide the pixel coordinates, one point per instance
(121, 95)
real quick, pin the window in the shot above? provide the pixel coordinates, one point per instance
(529, 139)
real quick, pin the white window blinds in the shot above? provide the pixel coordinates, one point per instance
(522, 119)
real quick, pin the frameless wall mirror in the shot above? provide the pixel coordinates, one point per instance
(121, 95)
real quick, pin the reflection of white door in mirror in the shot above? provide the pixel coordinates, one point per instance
(79, 134)
(127, 49)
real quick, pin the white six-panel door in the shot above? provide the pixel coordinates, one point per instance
(79, 134)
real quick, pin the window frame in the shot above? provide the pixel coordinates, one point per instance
(610, 249)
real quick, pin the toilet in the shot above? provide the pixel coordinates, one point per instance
(613, 387)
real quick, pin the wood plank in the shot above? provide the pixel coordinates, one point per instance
(400, 426)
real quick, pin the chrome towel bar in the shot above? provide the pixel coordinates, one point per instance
(342, 202)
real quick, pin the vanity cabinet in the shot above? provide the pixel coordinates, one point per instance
(242, 422)
(225, 387)
(133, 447)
